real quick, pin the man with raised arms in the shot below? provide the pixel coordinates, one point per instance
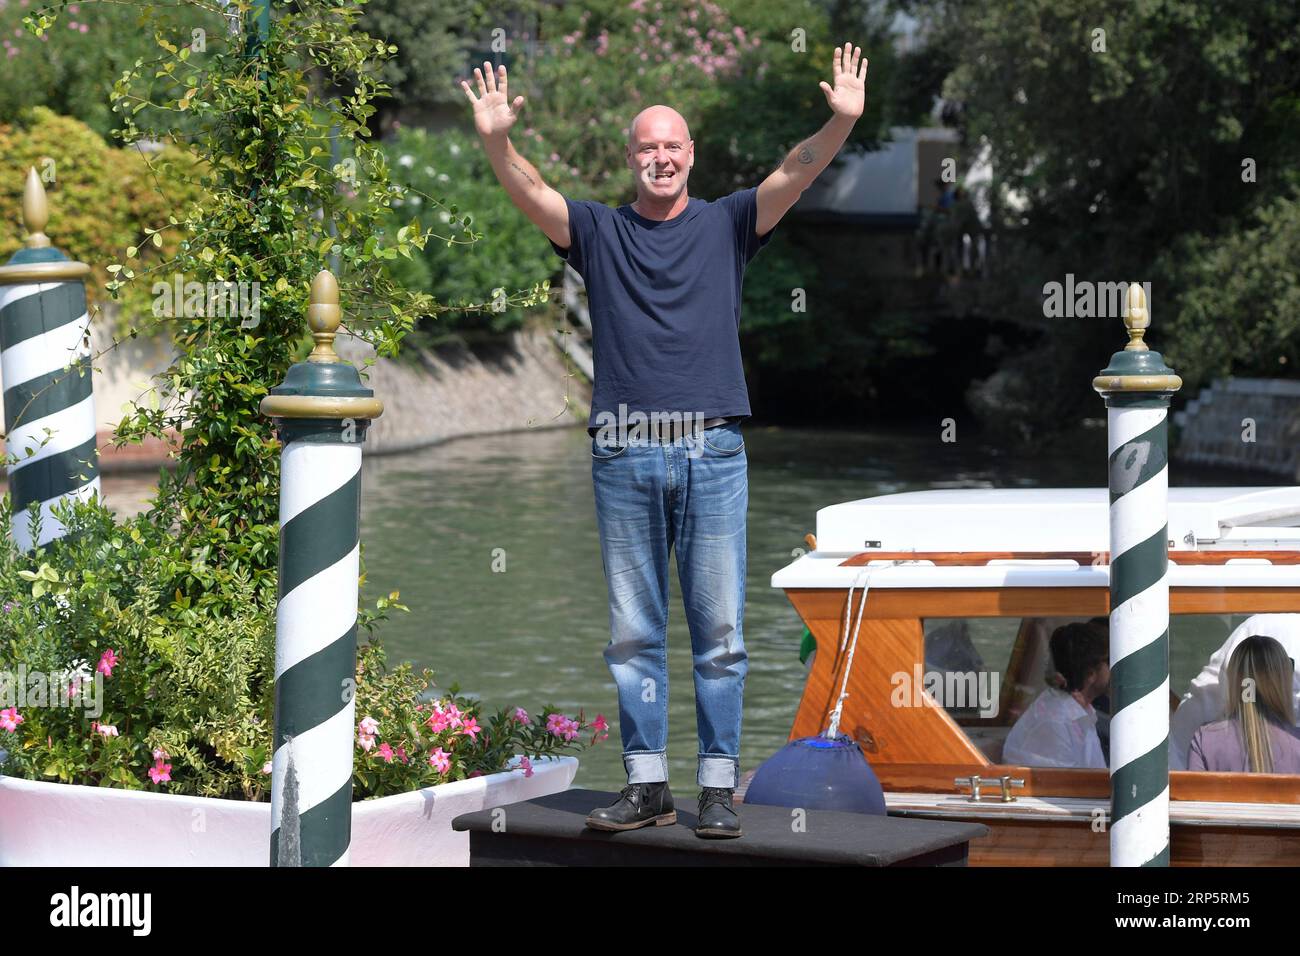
(663, 277)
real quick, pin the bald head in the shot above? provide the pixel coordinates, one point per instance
(660, 155)
(656, 123)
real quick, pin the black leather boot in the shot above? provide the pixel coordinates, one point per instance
(639, 805)
(718, 818)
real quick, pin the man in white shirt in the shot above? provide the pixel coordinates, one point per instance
(1059, 729)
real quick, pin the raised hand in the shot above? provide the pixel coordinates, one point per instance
(494, 114)
(849, 97)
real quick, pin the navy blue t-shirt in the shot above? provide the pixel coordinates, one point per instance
(664, 299)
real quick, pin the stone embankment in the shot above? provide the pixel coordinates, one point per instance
(449, 392)
(1248, 423)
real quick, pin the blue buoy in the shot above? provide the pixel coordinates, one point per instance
(818, 773)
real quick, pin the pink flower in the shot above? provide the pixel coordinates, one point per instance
(386, 752)
(470, 728)
(83, 28)
(366, 733)
(442, 719)
(562, 726)
(440, 761)
(266, 768)
(401, 754)
(599, 723)
(107, 661)
(525, 765)
(160, 772)
(159, 754)
(521, 715)
(106, 731)
(10, 719)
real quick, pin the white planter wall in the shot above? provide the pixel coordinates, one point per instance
(54, 824)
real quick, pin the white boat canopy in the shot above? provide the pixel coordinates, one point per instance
(1029, 521)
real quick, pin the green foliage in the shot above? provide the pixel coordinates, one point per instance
(272, 207)
(101, 199)
(505, 271)
(432, 38)
(196, 684)
(1108, 162)
(1240, 298)
(70, 68)
(406, 715)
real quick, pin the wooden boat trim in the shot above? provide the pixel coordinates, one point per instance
(1079, 810)
(828, 603)
(1082, 558)
(1184, 785)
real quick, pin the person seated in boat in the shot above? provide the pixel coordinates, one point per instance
(1205, 700)
(1059, 729)
(1259, 734)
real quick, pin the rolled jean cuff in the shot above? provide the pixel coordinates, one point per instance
(646, 767)
(718, 771)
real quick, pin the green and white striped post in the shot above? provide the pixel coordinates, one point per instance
(45, 354)
(322, 411)
(1137, 387)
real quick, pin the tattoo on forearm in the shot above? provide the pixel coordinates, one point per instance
(805, 154)
(520, 169)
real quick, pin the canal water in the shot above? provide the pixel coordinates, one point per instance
(492, 543)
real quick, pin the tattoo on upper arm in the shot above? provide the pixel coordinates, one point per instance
(520, 169)
(805, 154)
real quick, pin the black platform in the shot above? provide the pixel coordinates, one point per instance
(550, 831)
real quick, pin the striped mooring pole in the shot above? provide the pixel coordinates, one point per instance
(45, 355)
(321, 412)
(1137, 387)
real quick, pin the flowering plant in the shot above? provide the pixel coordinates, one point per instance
(407, 739)
(105, 679)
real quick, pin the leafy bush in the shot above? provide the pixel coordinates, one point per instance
(444, 173)
(1237, 298)
(101, 199)
(71, 69)
(185, 699)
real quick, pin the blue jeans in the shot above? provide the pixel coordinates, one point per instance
(651, 495)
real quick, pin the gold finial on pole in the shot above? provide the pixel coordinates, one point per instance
(324, 316)
(36, 212)
(1136, 318)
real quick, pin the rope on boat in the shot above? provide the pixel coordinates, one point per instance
(834, 729)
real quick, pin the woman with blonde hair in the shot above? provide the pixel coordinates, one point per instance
(1259, 734)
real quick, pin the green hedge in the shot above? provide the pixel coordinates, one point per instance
(101, 198)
